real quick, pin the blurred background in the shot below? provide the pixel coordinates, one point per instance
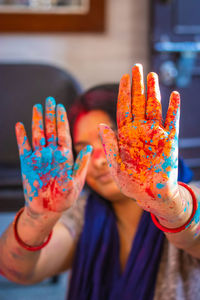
(60, 48)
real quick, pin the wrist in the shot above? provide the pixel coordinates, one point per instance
(180, 209)
(40, 219)
(33, 229)
(188, 222)
(21, 242)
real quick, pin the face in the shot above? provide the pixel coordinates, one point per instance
(86, 133)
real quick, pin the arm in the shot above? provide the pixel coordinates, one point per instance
(26, 267)
(51, 182)
(143, 157)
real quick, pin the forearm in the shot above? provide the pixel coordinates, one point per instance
(17, 263)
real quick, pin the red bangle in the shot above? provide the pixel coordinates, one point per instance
(25, 246)
(175, 230)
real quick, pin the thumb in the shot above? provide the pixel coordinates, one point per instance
(81, 166)
(110, 145)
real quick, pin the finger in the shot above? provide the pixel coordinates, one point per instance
(64, 135)
(81, 166)
(173, 114)
(38, 138)
(138, 96)
(154, 108)
(63, 132)
(110, 145)
(50, 121)
(124, 102)
(22, 140)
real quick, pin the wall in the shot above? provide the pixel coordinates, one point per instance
(92, 58)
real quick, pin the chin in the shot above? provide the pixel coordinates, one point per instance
(107, 190)
(110, 192)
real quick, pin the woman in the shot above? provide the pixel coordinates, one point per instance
(120, 254)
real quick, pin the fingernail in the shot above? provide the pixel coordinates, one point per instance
(50, 101)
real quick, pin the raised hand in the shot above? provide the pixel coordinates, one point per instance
(51, 180)
(143, 158)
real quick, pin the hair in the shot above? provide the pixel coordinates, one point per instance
(101, 97)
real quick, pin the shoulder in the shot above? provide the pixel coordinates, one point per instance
(178, 275)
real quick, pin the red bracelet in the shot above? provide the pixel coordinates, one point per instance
(25, 246)
(174, 230)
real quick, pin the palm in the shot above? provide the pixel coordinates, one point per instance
(51, 181)
(146, 156)
(47, 180)
(143, 157)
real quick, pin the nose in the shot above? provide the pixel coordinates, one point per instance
(98, 157)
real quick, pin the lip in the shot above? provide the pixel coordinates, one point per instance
(105, 177)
